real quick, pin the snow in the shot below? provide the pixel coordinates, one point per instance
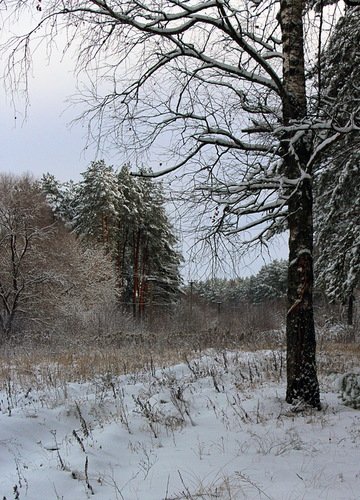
(213, 427)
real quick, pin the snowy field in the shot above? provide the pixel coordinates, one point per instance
(213, 427)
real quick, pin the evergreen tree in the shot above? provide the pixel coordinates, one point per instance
(156, 260)
(53, 192)
(127, 223)
(126, 215)
(62, 198)
(97, 204)
(270, 282)
(337, 181)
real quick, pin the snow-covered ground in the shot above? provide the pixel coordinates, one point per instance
(215, 427)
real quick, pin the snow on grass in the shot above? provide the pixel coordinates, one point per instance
(214, 427)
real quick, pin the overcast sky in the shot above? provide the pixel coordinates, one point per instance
(40, 138)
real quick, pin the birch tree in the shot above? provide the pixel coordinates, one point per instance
(221, 85)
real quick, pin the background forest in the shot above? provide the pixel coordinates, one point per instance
(100, 259)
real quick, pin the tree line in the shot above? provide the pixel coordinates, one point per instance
(46, 273)
(267, 285)
(104, 240)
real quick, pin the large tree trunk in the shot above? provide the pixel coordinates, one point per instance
(302, 383)
(302, 380)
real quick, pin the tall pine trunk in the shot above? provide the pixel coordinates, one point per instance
(136, 264)
(144, 279)
(302, 382)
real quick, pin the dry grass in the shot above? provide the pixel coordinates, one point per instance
(53, 367)
(50, 367)
(80, 358)
(128, 346)
(336, 358)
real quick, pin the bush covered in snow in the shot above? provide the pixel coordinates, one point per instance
(350, 389)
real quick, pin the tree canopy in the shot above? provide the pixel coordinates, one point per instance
(43, 268)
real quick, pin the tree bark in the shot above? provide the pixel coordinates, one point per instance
(302, 382)
(136, 265)
(350, 310)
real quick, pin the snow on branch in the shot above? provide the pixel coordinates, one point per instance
(202, 81)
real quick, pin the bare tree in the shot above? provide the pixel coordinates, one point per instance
(23, 225)
(45, 272)
(222, 84)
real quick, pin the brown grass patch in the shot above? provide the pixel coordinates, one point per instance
(52, 366)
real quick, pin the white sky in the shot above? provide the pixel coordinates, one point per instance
(40, 139)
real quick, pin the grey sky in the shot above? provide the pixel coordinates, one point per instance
(42, 140)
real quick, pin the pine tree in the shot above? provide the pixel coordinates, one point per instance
(337, 178)
(156, 260)
(98, 202)
(270, 282)
(53, 192)
(126, 227)
(126, 215)
(62, 197)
